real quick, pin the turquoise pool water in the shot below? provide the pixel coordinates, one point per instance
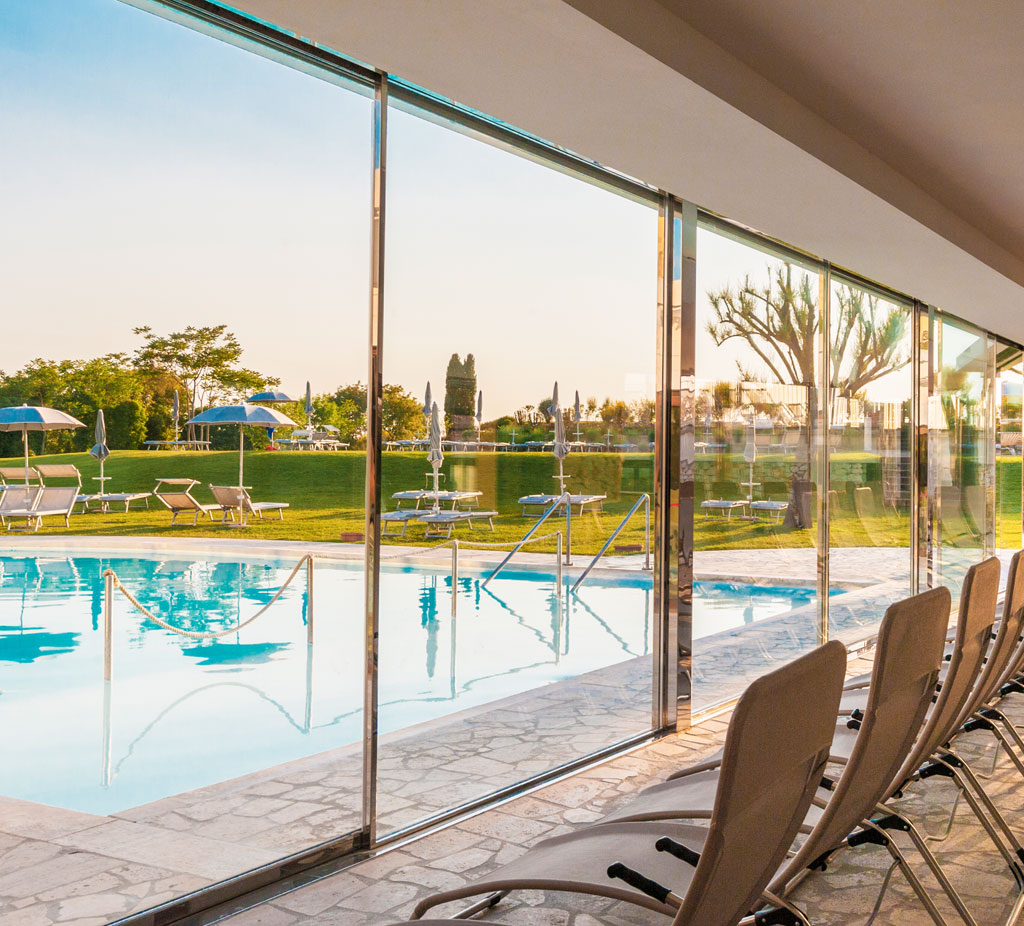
(181, 713)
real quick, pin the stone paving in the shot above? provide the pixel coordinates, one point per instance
(385, 889)
(59, 866)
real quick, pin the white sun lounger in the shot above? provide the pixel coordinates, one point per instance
(727, 505)
(176, 495)
(400, 518)
(105, 499)
(51, 502)
(441, 523)
(15, 497)
(231, 498)
(15, 475)
(546, 501)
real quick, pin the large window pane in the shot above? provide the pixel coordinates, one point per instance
(152, 176)
(755, 598)
(870, 475)
(1008, 443)
(503, 277)
(961, 449)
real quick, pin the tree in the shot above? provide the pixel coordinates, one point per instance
(460, 387)
(203, 361)
(779, 321)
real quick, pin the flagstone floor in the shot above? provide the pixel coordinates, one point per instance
(384, 889)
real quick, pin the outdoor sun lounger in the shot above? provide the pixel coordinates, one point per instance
(441, 523)
(105, 499)
(769, 510)
(546, 501)
(906, 669)
(51, 502)
(775, 751)
(400, 517)
(728, 505)
(17, 498)
(178, 499)
(457, 498)
(231, 499)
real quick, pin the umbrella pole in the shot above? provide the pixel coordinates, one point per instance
(24, 437)
(241, 463)
(437, 502)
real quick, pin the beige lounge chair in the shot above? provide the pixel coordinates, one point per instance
(906, 668)
(14, 497)
(232, 498)
(176, 495)
(774, 755)
(51, 502)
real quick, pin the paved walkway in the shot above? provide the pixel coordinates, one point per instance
(384, 889)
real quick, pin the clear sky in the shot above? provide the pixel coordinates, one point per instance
(154, 175)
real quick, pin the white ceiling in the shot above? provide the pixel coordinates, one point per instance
(882, 139)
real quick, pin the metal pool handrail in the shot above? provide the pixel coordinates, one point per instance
(567, 499)
(644, 500)
(111, 580)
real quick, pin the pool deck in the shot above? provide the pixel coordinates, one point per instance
(62, 866)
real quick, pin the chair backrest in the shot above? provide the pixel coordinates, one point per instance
(1004, 647)
(864, 502)
(775, 752)
(230, 496)
(1016, 662)
(59, 471)
(974, 623)
(907, 659)
(17, 497)
(178, 501)
(57, 498)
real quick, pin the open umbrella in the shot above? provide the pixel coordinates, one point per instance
(27, 418)
(271, 395)
(309, 407)
(435, 457)
(560, 448)
(256, 415)
(100, 451)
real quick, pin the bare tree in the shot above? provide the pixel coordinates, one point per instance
(779, 321)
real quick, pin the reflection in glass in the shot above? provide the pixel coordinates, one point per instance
(870, 476)
(1009, 382)
(523, 300)
(961, 445)
(757, 456)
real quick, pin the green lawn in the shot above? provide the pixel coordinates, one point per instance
(325, 492)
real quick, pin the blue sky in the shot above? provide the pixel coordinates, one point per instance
(154, 175)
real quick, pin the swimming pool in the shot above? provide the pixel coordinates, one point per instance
(182, 713)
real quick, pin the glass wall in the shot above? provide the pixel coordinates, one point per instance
(507, 280)
(961, 449)
(184, 226)
(756, 470)
(187, 225)
(1009, 380)
(870, 457)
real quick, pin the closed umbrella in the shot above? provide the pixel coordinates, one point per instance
(256, 415)
(576, 416)
(479, 412)
(175, 412)
(27, 418)
(100, 451)
(434, 456)
(428, 402)
(560, 448)
(309, 407)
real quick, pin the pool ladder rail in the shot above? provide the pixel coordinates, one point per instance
(645, 500)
